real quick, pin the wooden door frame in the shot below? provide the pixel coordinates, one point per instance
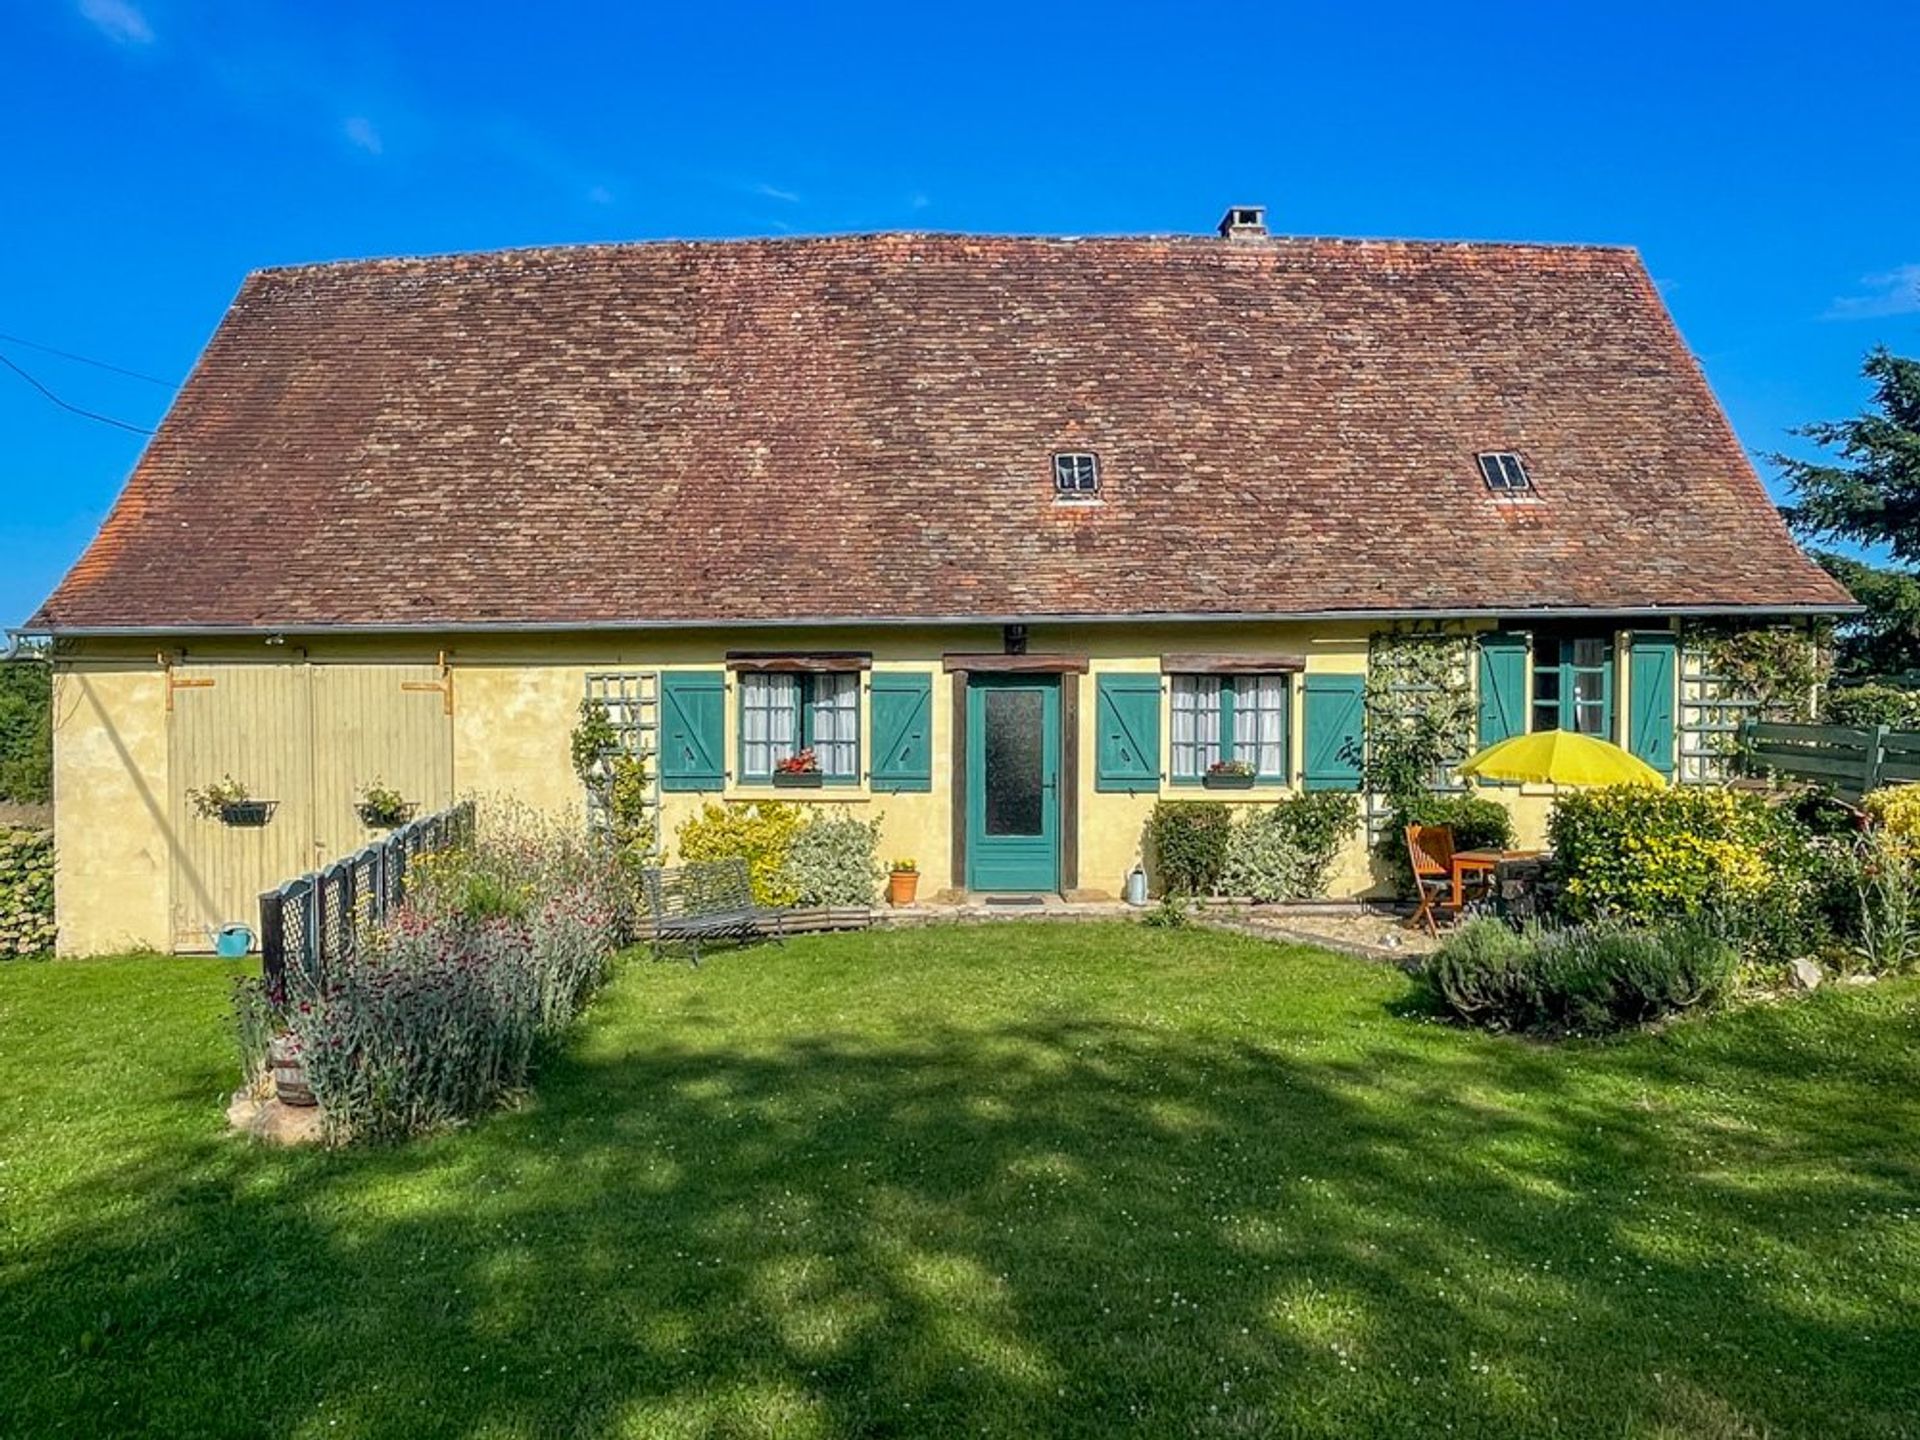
(1069, 787)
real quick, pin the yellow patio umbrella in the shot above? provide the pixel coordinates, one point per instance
(1561, 757)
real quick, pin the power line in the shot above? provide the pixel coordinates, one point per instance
(89, 360)
(65, 405)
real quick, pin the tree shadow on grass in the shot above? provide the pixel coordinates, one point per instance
(1059, 1226)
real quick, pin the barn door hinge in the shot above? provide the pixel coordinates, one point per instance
(444, 685)
(166, 664)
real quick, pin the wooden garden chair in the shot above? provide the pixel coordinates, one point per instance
(1430, 852)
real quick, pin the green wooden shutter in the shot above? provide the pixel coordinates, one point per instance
(1127, 745)
(1335, 731)
(1503, 685)
(902, 730)
(693, 717)
(1651, 664)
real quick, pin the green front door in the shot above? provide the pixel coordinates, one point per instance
(1013, 782)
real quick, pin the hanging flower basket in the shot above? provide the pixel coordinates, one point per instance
(385, 817)
(247, 814)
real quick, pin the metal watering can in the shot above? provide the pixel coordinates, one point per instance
(230, 942)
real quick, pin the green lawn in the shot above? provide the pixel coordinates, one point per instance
(1024, 1180)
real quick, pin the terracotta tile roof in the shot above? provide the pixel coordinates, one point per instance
(862, 427)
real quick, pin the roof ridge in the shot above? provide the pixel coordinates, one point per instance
(1205, 244)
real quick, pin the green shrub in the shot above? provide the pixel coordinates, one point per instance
(26, 732)
(1589, 979)
(1285, 851)
(1477, 823)
(834, 860)
(762, 834)
(1187, 845)
(1170, 914)
(26, 892)
(1640, 854)
(1869, 705)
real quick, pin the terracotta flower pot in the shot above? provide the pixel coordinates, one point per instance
(902, 885)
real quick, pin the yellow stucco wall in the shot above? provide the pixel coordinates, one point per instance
(112, 835)
(516, 699)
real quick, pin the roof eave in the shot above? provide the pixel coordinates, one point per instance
(822, 622)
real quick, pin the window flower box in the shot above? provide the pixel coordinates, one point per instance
(800, 770)
(1228, 775)
(247, 814)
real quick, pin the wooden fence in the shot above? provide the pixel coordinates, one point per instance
(316, 918)
(1851, 761)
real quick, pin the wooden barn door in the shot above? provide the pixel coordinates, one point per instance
(386, 723)
(309, 738)
(254, 723)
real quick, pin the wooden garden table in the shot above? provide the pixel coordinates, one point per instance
(1482, 863)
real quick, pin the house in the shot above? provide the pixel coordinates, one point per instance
(1017, 535)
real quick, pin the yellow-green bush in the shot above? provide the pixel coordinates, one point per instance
(761, 834)
(1896, 809)
(1648, 855)
(26, 892)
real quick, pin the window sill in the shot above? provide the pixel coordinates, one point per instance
(756, 794)
(1259, 790)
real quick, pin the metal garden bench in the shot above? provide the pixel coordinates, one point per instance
(706, 900)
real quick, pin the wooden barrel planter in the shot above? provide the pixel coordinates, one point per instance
(290, 1084)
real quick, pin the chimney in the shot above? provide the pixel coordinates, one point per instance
(1244, 222)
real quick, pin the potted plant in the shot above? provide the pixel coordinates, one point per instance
(800, 769)
(903, 882)
(228, 801)
(1229, 775)
(381, 807)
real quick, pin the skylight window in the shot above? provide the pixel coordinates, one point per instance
(1504, 473)
(1076, 474)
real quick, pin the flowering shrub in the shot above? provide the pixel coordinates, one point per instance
(440, 1014)
(1896, 810)
(517, 857)
(833, 860)
(1588, 979)
(761, 834)
(1285, 851)
(26, 892)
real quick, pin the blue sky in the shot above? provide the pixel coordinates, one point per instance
(1763, 158)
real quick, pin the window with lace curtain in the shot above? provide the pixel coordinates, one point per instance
(781, 715)
(1230, 717)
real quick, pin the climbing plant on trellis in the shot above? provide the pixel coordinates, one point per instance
(1420, 716)
(1731, 674)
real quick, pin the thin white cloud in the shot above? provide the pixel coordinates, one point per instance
(361, 134)
(599, 195)
(1896, 292)
(919, 200)
(118, 20)
(774, 192)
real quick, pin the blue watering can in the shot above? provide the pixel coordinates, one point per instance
(230, 942)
